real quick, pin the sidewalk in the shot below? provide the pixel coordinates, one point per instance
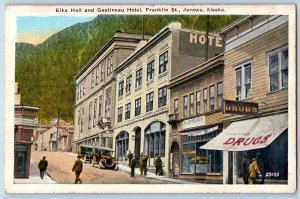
(126, 169)
(34, 177)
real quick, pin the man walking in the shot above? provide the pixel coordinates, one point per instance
(129, 156)
(77, 168)
(144, 164)
(245, 168)
(158, 166)
(43, 164)
(132, 166)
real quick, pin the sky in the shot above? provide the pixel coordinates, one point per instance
(35, 30)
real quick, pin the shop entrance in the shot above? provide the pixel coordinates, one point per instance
(175, 159)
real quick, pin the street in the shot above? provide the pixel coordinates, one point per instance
(60, 170)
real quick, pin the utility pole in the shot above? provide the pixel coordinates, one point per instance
(207, 31)
(57, 129)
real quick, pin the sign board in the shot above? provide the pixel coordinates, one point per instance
(240, 108)
(194, 122)
(194, 44)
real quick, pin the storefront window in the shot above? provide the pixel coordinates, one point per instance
(122, 140)
(196, 160)
(155, 139)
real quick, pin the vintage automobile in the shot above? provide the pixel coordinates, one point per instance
(103, 159)
(86, 152)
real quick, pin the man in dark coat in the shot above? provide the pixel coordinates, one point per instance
(43, 164)
(158, 166)
(245, 168)
(129, 156)
(77, 168)
(132, 166)
(144, 164)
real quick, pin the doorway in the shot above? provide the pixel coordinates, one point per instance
(137, 143)
(175, 159)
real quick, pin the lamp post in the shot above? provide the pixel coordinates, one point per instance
(57, 126)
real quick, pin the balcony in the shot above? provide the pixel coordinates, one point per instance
(173, 119)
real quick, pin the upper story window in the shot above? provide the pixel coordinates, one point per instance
(127, 111)
(102, 71)
(243, 81)
(95, 112)
(278, 69)
(109, 65)
(81, 120)
(204, 100)
(97, 75)
(92, 80)
(176, 106)
(219, 95)
(77, 92)
(198, 102)
(149, 102)
(162, 96)
(138, 78)
(83, 87)
(191, 104)
(107, 103)
(211, 98)
(185, 106)
(100, 108)
(128, 83)
(163, 61)
(121, 89)
(137, 106)
(90, 115)
(120, 113)
(150, 70)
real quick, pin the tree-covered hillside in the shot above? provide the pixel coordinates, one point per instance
(46, 72)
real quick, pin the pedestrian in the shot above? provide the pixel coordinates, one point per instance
(261, 166)
(144, 164)
(245, 168)
(158, 166)
(129, 156)
(132, 166)
(94, 161)
(254, 171)
(43, 164)
(77, 168)
(141, 163)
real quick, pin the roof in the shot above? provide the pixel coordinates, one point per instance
(234, 24)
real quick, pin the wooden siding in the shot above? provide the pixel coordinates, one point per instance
(257, 51)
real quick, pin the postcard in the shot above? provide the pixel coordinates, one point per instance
(170, 98)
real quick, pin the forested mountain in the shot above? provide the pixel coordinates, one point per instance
(46, 72)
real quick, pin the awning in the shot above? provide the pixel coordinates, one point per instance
(199, 132)
(249, 134)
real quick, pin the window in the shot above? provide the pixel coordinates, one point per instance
(211, 98)
(204, 100)
(83, 87)
(81, 121)
(138, 78)
(109, 65)
(92, 80)
(102, 72)
(162, 96)
(95, 112)
(149, 102)
(278, 70)
(220, 95)
(121, 144)
(163, 61)
(121, 85)
(197, 102)
(100, 107)
(243, 81)
(127, 111)
(185, 106)
(128, 84)
(150, 70)
(97, 75)
(176, 106)
(120, 113)
(191, 104)
(90, 115)
(78, 91)
(107, 103)
(155, 139)
(137, 107)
